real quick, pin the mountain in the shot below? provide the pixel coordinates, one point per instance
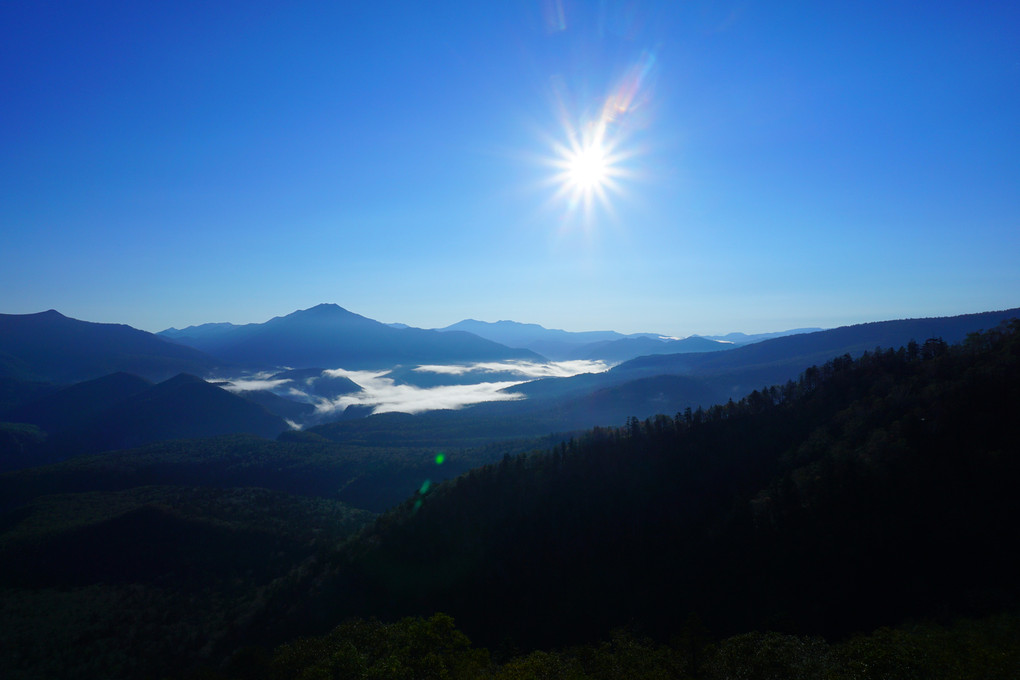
(15, 393)
(74, 406)
(49, 346)
(209, 337)
(555, 344)
(736, 372)
(329, 335)
(608, 346)
(296, 411)
(617, 351)
(745, 339)
(182, 407)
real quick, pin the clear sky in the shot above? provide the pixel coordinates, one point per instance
(757, 165)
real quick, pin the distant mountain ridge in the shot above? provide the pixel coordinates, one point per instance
(745, 339)
(49, 346)
(615, 351)
(553, 343)
(608, 346)
(329, 335)
(734, 373)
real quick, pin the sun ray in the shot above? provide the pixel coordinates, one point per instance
(591, 158)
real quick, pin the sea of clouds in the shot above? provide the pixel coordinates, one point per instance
(382, 393)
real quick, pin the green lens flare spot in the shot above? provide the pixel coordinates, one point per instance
(424, 487)
(417, 505)
(440, 457)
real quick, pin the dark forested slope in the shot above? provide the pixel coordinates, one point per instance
(869, 490)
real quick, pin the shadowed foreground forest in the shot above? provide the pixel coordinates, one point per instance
(860, 518)
(869, 492)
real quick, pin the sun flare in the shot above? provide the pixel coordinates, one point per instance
(588, 168)
(594, 155)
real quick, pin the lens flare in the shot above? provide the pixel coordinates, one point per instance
(592, 164)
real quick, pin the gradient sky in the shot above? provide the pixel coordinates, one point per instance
(781, 164)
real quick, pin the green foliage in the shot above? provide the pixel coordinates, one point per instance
(771, 656)
(130, 583)
(434, 648)
(410, 649)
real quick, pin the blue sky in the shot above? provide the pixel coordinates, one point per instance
(774, 165)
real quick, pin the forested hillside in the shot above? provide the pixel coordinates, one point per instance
(868, 491)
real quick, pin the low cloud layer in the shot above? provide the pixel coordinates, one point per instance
(251, 384)
(479, 382)
(525, 369)
(384, 396)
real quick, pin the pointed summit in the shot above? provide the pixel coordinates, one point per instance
(324, 306)
(323, 309)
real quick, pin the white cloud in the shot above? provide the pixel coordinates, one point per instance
(526, 369)
(384, 396)
(251, 384)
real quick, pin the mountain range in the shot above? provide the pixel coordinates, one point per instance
(52, 347)
(607, 346)
(734, 373)
(329, 335)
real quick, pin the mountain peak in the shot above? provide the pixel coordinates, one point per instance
(327, 312)
(324, 311)
(325, 307)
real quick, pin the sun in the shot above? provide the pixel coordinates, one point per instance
(593, 157)
(588, 168)
(587, 171)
